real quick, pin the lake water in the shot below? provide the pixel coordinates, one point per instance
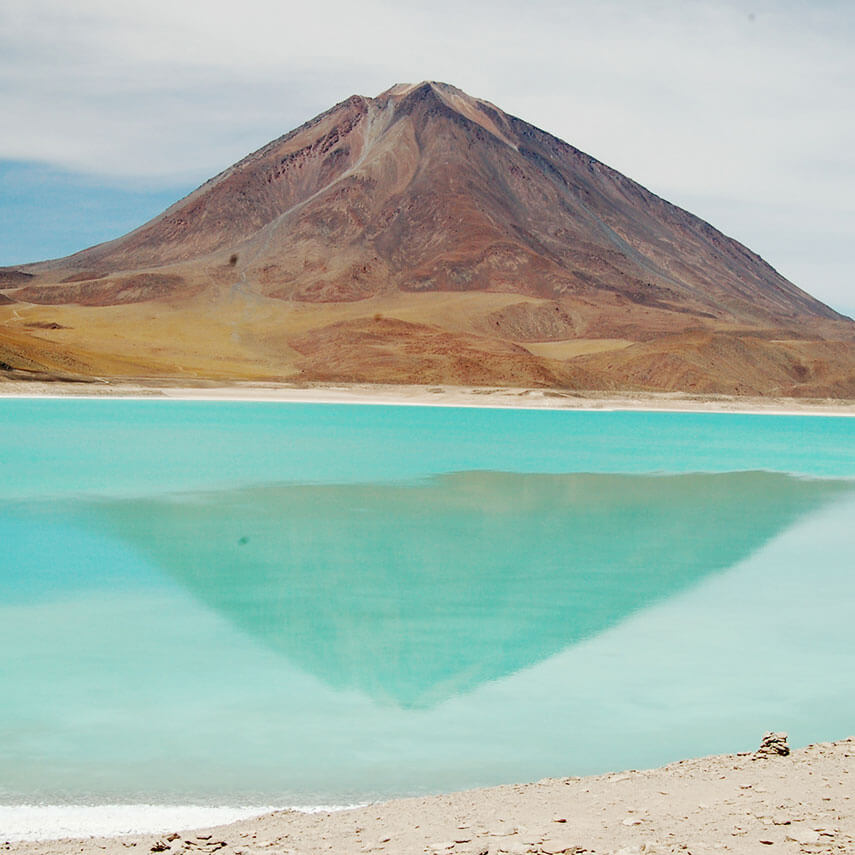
(274, 604)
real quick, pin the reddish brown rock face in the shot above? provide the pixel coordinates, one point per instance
(426, 190)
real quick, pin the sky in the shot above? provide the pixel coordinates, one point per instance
(743, 113)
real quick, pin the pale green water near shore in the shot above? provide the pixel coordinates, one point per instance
(297, 604)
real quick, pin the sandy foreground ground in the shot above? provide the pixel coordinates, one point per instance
(746, 803)
(449, 396)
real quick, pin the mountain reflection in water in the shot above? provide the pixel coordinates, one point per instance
(416, 592)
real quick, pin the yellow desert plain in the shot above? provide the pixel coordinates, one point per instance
(226, 336)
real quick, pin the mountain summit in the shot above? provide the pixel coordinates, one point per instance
(427, 236)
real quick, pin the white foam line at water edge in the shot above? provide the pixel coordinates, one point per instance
(55, 822)
(604, 405)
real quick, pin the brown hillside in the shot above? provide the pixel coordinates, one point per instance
(426, 236)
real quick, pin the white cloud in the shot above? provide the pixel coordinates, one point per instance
(746, 104)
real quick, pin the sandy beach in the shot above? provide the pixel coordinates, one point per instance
(744, 803)
(447, 396)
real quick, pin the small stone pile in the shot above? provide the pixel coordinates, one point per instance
(774, 745)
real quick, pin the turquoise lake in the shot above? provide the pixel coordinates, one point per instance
(294, 604)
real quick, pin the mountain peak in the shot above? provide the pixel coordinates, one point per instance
(400, 90)
(442, 98)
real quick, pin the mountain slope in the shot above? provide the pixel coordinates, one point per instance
(475, 233)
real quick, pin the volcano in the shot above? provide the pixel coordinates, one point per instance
(425, 236)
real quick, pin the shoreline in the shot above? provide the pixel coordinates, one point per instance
(745, 803)
(438, 396)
